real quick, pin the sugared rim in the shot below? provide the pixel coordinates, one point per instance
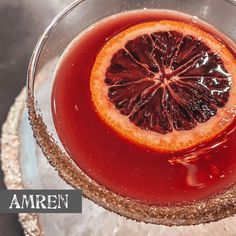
(208, 210)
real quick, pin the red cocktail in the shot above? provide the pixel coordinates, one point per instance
(122, 166)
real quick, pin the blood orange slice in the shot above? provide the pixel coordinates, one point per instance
(166, 85)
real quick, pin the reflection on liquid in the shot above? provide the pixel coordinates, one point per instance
(200, 178)
(201, 164)
(192, 176)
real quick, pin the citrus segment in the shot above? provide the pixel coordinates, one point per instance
(166, 85)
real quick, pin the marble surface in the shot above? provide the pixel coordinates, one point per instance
(21, 23)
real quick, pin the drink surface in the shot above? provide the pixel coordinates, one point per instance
(122, 166)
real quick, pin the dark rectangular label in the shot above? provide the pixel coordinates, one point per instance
(40, 201)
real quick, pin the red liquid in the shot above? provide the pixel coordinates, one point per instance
(114, 162)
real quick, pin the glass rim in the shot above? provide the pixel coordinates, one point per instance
(45, 35)
(211, 209)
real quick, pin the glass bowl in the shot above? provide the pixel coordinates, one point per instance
(75, 18)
